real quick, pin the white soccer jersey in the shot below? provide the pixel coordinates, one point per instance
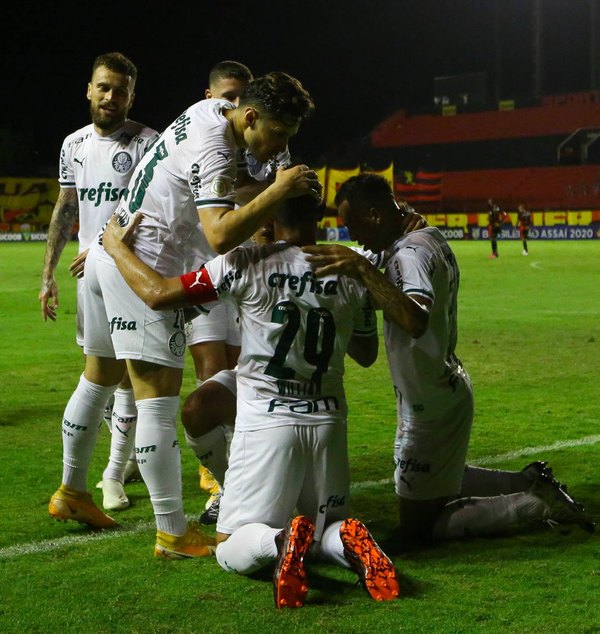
(295, 333)
(425, 370)
(100, 168)
(192, 165)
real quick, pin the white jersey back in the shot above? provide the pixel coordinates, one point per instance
(192, 165)
(100, 167)
(295, 333)
(425, 370)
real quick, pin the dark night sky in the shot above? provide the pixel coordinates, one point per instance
(361, 59)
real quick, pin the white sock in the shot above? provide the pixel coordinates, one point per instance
(211, 451)
(248, 549)
(481, 482)
(479, 517)
(331, 546)
(107, 416)
(159, 460)
(122, 441)
(81, 421)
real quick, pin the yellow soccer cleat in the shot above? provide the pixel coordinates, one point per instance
(192, 544)
(68, 504)
(207, 482)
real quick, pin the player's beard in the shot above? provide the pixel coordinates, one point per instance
(107, 123)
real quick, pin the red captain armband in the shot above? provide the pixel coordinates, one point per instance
(198, 287)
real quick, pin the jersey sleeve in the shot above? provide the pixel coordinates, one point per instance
(212, 172)
(229, 274)
(376, 259)
(66, 175)
(411, 271)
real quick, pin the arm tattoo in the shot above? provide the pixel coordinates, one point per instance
(64, 216)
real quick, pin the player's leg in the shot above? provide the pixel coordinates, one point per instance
(545, 501)
(153, 343)
(83, 414)
(204, 414)
(205, 335)
(493, 242)
(325, 499)
(124, 419)
(483, 482)
(524, 236)
(260, 510)
(430, 458)
(81, 421)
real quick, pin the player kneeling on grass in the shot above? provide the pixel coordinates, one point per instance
(418, 296)
(292, 409)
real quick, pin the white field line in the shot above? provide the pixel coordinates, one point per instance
(35, 548)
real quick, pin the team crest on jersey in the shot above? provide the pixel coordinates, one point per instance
(221, 186)
(177, 343)
(122, 162)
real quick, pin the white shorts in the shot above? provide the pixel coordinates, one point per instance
(227, 378)
(119, 325)
(220, 324)
(430, 455)
(79, 319)
(278, 472)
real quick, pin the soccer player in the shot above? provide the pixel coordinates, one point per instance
(292, 411)
(496, 218)
(185, 187)
(418, 296)
(525, 222)
(213, 338)
(96, 163)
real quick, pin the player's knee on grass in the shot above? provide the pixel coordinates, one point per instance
(416, 518)
(207, 407)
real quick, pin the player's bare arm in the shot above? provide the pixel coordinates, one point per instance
(64, 214)
(364, 349)
(409, 312)
(225, 229)
(157, 292)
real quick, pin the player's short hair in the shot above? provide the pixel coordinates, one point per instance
(300, 211)
(361, 189)
(229, 69)
(280, 96)
(117, 63)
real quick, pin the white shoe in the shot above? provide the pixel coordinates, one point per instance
(114, 496)
(525, 252)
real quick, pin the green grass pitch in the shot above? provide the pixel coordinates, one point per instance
(529, 334)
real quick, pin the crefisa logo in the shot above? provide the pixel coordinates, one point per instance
(122, 162)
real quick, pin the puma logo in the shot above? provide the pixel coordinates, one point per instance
(78, 161)
(197, 281)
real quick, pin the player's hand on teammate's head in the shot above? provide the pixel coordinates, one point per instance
(412, 220)
(334, 259)
(299, 180)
